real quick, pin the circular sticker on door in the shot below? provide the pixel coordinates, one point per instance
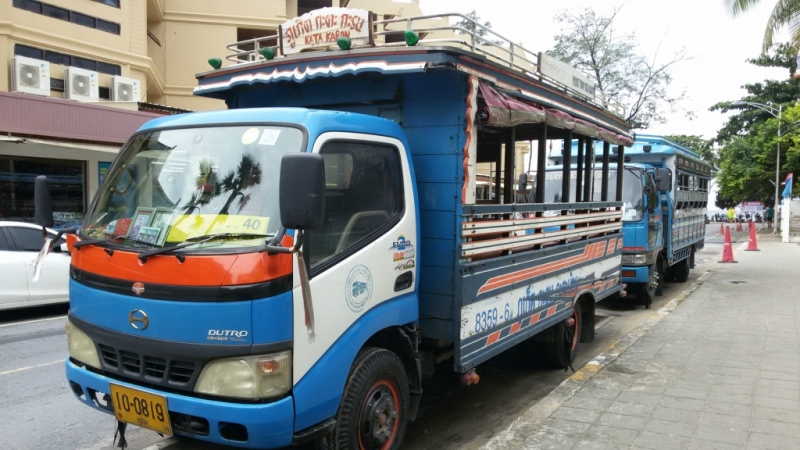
(358, 288)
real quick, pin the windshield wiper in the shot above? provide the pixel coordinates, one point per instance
(199, 240)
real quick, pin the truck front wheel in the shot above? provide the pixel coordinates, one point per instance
(373, 413)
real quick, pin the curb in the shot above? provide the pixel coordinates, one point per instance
(528, 423)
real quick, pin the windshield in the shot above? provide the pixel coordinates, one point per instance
(174, 186)
(631, 190)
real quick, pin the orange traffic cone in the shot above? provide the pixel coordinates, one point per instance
(738, 226)
(721, 229)
(752, 246)
(727, 248)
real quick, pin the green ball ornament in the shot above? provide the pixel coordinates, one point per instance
(267, 52)
(216, 63)
(344, 43)
(411, 38)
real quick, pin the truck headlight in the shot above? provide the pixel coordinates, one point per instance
(247, 376)
(634, 258)
(81, 347)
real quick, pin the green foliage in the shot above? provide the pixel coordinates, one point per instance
(705, 147)
(625, 77)
(749, 139)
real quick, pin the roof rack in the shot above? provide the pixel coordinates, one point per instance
(440, 30)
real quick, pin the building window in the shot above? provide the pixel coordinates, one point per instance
(83, 19)
(29, 52)
(111, 69)
(67, 60)
(109, 27)
(28, 5)
(55, 12)
(65, 178)
(70, 16)
(114, 3)
(246, 34)
(58, 58)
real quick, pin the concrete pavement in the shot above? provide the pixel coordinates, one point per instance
(717, 368)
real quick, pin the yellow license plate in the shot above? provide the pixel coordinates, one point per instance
(141, 408)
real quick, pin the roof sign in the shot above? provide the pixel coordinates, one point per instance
(566, 75)
(322, 27)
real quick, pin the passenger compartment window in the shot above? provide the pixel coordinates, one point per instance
(363, 196)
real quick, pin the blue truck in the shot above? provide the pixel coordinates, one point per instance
(292, 268)
(665, 196)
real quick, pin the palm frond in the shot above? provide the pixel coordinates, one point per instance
(786, 13)
(738, 7)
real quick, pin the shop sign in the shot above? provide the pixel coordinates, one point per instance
(322, 27)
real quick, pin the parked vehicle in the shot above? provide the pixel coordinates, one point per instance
(273, 274)
(664, 222)
(20, 243)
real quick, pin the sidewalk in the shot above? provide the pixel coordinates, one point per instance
(720, 371)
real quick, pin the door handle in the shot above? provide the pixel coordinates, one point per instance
(403, 282)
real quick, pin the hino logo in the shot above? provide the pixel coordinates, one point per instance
(224, 335)
(138, 319)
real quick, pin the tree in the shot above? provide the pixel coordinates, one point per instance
(749, 139)
(704, 147)
(637, 83)
(786, 13)
(470, 26)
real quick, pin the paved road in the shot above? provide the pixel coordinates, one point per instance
(37, 409)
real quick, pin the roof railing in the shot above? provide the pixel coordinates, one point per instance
(479, 39)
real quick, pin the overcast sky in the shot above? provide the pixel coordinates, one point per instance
(717, 43)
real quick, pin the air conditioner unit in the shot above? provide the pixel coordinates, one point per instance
(124, 89)
(31, 76)
(81, 85)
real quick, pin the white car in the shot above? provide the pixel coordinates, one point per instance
(20, 243)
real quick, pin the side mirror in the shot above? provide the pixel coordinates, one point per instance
(42, 205)
(663, 180)
(302, 191)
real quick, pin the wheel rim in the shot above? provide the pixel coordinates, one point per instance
(571, 331)
(379, 421)
(653, 284)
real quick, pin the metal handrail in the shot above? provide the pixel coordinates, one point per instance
(515, 56)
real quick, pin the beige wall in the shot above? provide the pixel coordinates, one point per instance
(190, 32)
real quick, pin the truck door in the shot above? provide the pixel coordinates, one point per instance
(365, 253)
(655, 224)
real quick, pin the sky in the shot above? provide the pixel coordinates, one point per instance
(717, 43)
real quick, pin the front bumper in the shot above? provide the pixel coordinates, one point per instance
(268, 425)
(635, 274)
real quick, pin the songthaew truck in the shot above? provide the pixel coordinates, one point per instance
(291, 269)
(665, 195)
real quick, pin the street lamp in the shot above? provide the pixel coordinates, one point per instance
(771, 110)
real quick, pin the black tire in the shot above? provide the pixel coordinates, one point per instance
(647, 291)
(376, 387)
(681, 271)
(561, 350)
(662, 273)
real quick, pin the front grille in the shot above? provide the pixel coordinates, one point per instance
(153, 369)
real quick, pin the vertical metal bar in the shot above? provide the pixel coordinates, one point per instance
(498, 170)
(587, 171)
(620, 170)
(565, 167)
(606, 163)
(579, 170)
(541, 164)
(508, 176)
